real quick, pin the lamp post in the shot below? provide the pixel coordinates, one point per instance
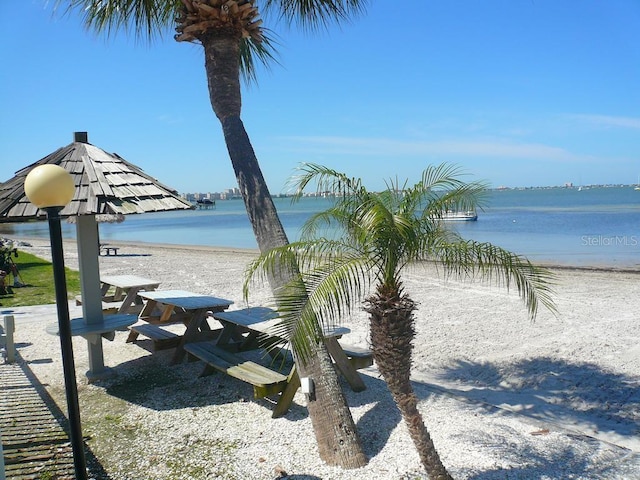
(51, 188)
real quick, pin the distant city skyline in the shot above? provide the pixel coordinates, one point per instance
(516, 93)
(234, 193)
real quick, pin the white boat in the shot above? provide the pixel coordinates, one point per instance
(468, 216)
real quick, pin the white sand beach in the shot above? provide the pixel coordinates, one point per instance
(503, 398)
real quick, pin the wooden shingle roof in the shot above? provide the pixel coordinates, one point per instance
(105, 184)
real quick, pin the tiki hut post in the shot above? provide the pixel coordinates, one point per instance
(89, 266)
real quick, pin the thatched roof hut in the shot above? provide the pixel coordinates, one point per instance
(106, 184)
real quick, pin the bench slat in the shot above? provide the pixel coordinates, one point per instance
(162, 339)
(154, 332)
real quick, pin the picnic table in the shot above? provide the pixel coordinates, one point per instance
(166, 307)
(108, 249)
(124, 293)
(241, 332)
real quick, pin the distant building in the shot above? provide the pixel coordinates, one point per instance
(228, 194)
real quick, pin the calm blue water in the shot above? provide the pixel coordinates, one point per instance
(596, 227)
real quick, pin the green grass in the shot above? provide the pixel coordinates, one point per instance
(37, 274)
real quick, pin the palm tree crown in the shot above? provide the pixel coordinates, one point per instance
(193, 20)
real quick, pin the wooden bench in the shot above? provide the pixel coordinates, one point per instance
(106, 299)
(162, 339)
(263, 321)
(266, 382)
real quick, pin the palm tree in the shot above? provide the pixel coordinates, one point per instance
(372, 238)
(233, 39)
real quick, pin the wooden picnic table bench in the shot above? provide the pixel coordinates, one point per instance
(359, 357)
(241, 329)
(161, 338)
(108, 306)
(266, 382)
(108, 249)
(125, 290)
(167, 307)
(120, 293)
(263, 320)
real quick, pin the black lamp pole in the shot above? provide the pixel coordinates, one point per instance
(64, 329)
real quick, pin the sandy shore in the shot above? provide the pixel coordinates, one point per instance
(502, 397)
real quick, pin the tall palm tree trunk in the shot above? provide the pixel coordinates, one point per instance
(258, 202)
(392, 332)
(336, 434)
(333, 425)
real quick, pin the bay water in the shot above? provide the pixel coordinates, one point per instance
(597, 226)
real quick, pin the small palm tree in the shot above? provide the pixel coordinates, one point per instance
(373, 238)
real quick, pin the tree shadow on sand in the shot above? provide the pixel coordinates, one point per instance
(381, 418)
(589, 404)
(149, 381)
(549, 390)
(564, 462)
(572, 394)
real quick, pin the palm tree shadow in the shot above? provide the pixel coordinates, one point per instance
(555, 390)
(562, 463)
(127, 255)
(574, 396)
(148, 381)
(378, 422)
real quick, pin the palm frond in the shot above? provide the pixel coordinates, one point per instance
(470, 259)
(326, 223)
(145, 19)
(326, 179)
(332, 279)
(441, 189)
(313, 15)
(376, 235)
(264, 52)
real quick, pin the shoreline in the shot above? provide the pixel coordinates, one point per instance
(223, 249)
(178, 246)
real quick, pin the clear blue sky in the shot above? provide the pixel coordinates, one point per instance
(516, 92)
